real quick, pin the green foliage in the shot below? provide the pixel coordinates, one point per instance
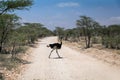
(18, 37)
(1, 76)
(33, 31)
(7, 23)
(88, 26)
(71, 34)
(12, 5)
(59, 31)
(92, 32)
(111, 36)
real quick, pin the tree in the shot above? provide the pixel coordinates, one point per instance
(71, 34)
(7, 23)
(15, 43)
(59, 32)
(33, 31)
(111, 36)
(12, 5)
(88, 25)
(67, 34)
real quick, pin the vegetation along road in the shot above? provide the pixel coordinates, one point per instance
(72, 66)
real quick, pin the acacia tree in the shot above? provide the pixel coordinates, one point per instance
(6, 20)
(12, 5)
(59, 31)
(33, 31)
(111, 36)
(88, 25)
(15, 43)
(67, 34)
(7, 23)
(71, 34)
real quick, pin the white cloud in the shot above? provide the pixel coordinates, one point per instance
(111, 21)
(115, 20)
(68, 4)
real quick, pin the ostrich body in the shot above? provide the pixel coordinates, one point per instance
(55, 46)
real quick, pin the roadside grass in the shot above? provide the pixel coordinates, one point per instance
(9, 62)
(111, 56)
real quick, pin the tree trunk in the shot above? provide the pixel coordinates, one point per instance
(0, 49)
(1, 46)
(88, 45)
(84, 31)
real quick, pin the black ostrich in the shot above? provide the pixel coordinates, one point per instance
(55, 46)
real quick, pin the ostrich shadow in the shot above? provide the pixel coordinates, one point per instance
(56, 58)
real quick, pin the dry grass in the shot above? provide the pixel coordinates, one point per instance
(97, 51)
(10, 68)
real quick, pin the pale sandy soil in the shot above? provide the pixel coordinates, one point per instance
(73, 65)
(15, 72)
(110, 56)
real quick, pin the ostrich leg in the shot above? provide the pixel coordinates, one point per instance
(57, 53)
(51, 52)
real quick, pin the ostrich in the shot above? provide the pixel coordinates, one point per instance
(55, 46)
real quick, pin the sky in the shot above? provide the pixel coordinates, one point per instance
(64, 13)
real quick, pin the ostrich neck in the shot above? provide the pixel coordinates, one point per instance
(61, 42)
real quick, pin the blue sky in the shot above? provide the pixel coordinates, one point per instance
(64, 13)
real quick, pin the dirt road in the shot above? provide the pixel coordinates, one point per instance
(72, 66)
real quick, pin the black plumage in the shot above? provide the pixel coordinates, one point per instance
(55, 45)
